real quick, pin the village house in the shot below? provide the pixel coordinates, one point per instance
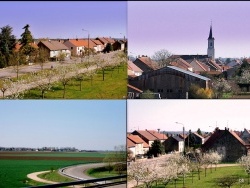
(118, 45)
(54, 49)
(139, 146)
(227, 143)
(146, 64)
(194, 140)
(245, 135)
(133, 70)
(79, 46)
(160, 136)
(133, 92)
(174, 144)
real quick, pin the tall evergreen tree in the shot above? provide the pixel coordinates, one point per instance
(7, 44)
(26, 41)
(156, 148)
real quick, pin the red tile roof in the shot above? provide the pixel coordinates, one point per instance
(133, 67)
(18, 46)
(135, 88)
(54, 45)
(159, 136)
(130, 144)
(146, 135)
(135, 138)
(149, 62)
(179, 62)
(83, 42)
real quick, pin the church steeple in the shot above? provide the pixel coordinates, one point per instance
(210, 48)
(210, 33)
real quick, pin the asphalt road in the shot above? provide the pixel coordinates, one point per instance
(79, 171)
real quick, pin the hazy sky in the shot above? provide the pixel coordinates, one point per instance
(193, 114)
(84, 124)
(183, 27)
(66, 19)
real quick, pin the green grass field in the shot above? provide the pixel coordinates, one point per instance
(210, 180)
(101, 172)
(14, 166)
(114, 86)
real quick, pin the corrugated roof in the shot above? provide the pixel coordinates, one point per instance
(188, 72)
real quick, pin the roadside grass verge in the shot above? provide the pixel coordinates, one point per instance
(55, 176)
(101, 172)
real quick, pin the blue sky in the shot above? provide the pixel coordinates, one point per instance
(84, 124)
(182, 27)
(193, 114)
(66, 19)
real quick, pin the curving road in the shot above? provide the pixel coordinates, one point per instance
(78, 172)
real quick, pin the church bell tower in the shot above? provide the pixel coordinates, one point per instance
(210, 48)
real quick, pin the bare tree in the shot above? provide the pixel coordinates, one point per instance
(162, 57)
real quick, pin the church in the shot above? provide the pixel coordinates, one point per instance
(199, 63)
(174, 80)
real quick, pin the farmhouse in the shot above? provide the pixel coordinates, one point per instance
(174, 144)
(226, 143)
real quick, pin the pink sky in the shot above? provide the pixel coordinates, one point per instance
(194, 114)
(183, 27)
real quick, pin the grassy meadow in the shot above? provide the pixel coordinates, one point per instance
(114, 86)
(210, 180)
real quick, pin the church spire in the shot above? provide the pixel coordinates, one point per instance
(210, 33)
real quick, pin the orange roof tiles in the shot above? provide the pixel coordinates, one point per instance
(158, 135)
(130, 144)
(83, 42)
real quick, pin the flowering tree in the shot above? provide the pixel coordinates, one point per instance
(245, 163)
(43, 81)
(245, 77)
(221, 86)
(4, 85)
(215, 158)
(143, 172)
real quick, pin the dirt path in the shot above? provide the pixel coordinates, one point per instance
(34, 175)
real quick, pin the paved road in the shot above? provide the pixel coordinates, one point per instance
(79, 171)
